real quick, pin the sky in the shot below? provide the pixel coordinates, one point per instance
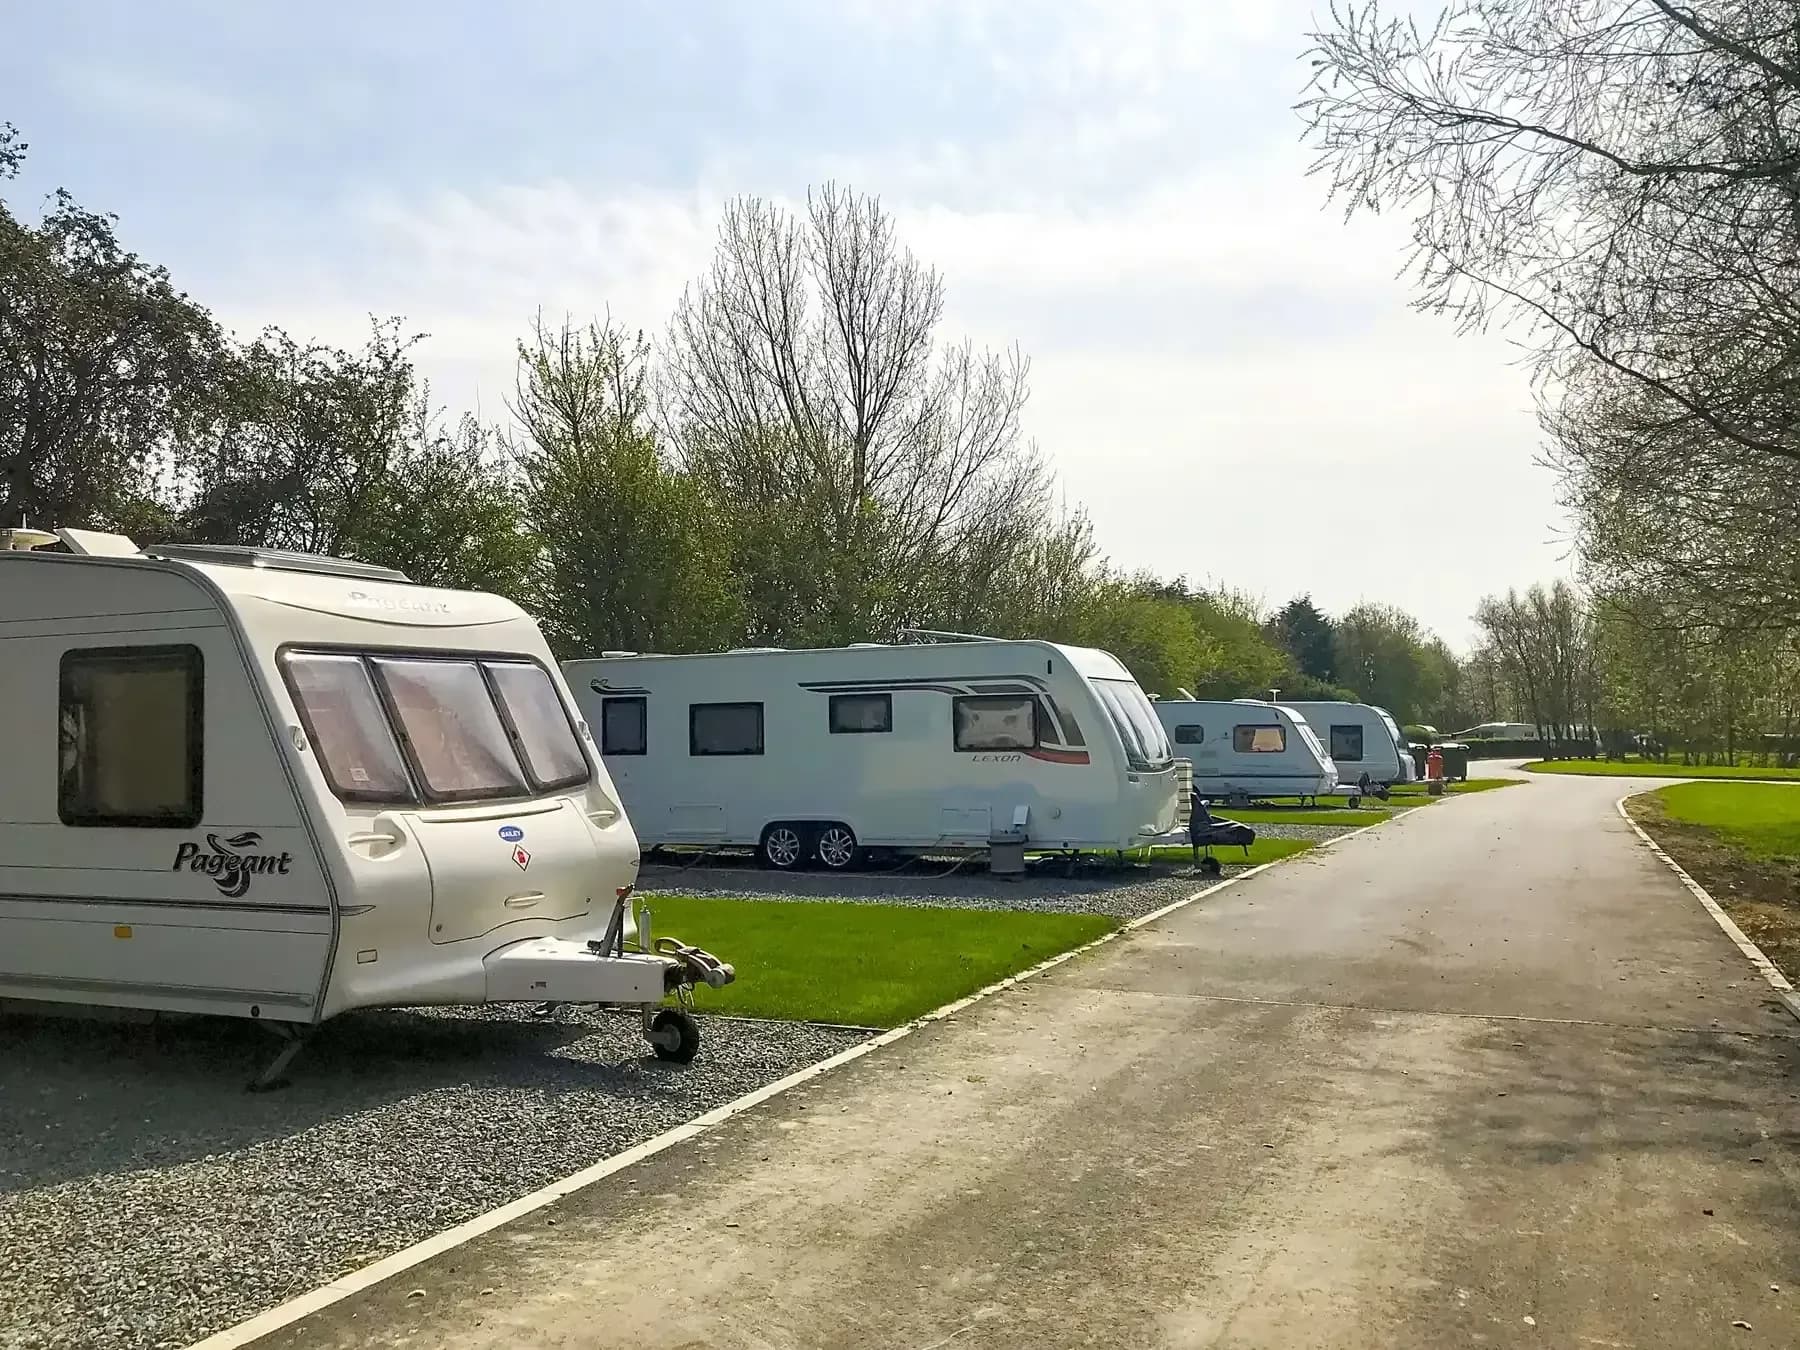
(1226, 375)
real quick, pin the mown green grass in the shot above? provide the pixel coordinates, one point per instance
(1302, 815)
(1650, 768)
(1760, 819)
(1404, 795)
(1483, 785)
(1262, 851)
(866, 965)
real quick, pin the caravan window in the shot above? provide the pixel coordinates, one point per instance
(856, 713)
(540, 724)
(725, 728)
(995, 722)
(130, 728)
(451, 729)
(1259, 740)
(348, 730)
(1346, 743)
(1140, 729)
(624, 726)
(1189, 734)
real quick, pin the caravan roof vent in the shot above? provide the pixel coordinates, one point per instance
(275, 559)
(610, 656)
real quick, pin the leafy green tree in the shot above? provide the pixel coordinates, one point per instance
(301, 440)
(103, 366)
(1304, 633)
(1153, 635)
(630, 555)
(1240, 661)
(448, 512)
(1381, 653)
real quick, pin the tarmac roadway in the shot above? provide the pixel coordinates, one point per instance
(1486, 1076)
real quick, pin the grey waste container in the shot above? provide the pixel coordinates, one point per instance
(1456, 760)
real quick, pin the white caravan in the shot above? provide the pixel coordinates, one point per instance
(279, 786)
(1247, 748)
(820, 754)
(1362, 741)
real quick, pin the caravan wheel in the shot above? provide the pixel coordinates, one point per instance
(783, 847)
(837, 847)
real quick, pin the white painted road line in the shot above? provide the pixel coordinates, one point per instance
(1777, 981)
(304, 1305)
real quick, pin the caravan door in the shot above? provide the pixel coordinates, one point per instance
(491, 746)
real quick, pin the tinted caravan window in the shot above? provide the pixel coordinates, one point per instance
(1346, 742)
(458, 745)
(725, 729)
(348, 729)
(540, 724)
(853, 714)
(624, 726)
(995, 722)
(1189, 734)
(130, 733)
(1258, 740)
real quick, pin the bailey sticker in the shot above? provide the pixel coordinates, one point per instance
(232, 862)
(511, 833)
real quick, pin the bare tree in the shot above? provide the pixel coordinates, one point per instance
(804, 381)
(1623, 173)
(1622, 179)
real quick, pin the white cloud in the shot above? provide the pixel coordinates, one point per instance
(1225, 374)
(151, 99)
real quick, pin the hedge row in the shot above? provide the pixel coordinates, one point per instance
(1516, 749)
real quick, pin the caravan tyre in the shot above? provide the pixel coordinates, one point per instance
(837, 847)
(674, 1036)
(783, 847)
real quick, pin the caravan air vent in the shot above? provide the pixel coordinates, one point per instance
(276, 559)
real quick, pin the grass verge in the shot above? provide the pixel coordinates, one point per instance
(1742, 842)
(1419, 794)
(868, 965)
(1650, 768)
(1262, 851)
(1302, 815)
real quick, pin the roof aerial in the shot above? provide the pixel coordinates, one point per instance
(275, 559)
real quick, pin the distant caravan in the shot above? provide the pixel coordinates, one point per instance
(281, 786)
(819, 755)
(1363, 742)
(1246, 748)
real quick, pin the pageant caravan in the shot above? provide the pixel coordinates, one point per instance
(1247, 748)
(1362, 741)
(818, 755)
(281, 786)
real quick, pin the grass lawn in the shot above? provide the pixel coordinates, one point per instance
(1262, 851)
(1406, 795)
(1760, 819)
(1302, 815)
(1742, 842)
(868, 965)
(1649, 768)
(1483, 785)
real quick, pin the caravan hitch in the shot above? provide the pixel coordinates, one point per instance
(694, 966)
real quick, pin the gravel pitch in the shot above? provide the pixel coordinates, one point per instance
(147, 1200)
(1125, 892)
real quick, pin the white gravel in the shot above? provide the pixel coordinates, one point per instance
(1124, 893)
(1099, 886)
(147, 1200)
